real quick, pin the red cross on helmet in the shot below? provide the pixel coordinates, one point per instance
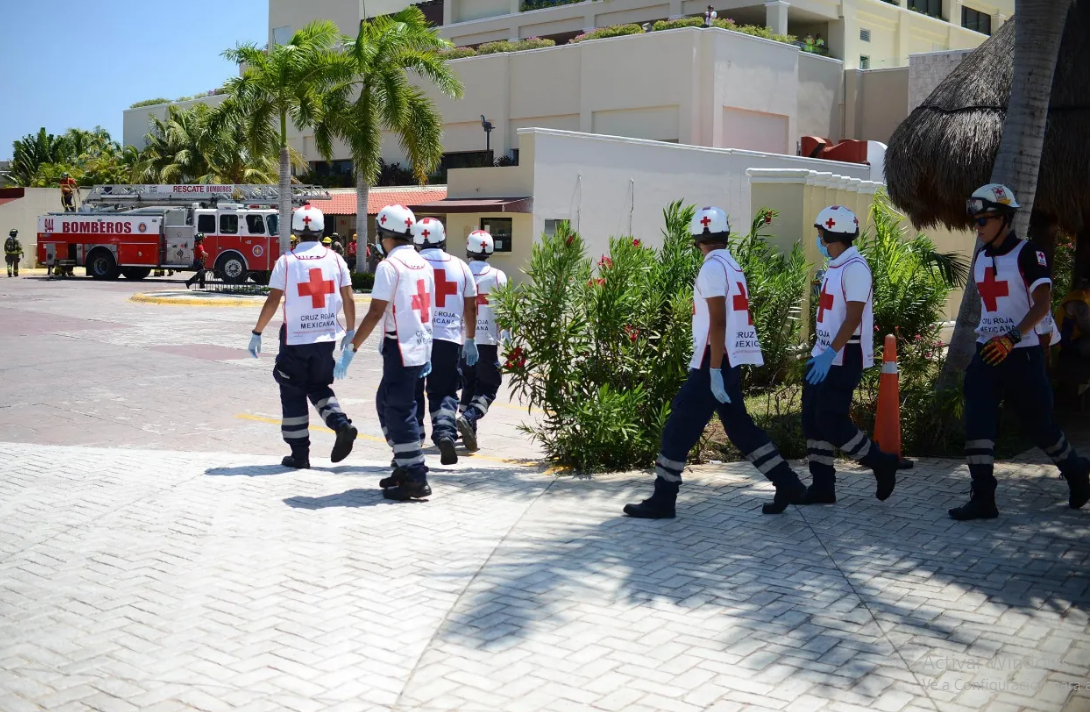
(308, 221)
(479, 245)
(837, 222)
(710, 224)
(429, 232)
(993, 197)
(396, 221)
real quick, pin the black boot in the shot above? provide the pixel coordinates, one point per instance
(447, 454)
(981, 505)
(298, 462)
(396, 478)
(885, 467)
(1078, 482)
(469, 434)
(659, 505)
(789, 490)
(821, 491)
(408, 489)
(346, 438)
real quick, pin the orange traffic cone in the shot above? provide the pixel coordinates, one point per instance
(887, 426)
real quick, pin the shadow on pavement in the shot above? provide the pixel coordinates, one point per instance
(266, 470)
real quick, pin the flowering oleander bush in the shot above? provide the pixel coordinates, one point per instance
(506, 46)
(604, 32)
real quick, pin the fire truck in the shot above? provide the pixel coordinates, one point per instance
(132, 229)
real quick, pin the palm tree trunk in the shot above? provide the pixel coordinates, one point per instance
(363, 190)
(285, 187)
(1036, 46)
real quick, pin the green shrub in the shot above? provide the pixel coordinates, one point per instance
(363, 281)
(604, 32)
(757, 31)
(1063, 269)
(541, 4)
(675, 24)
(458, 52)
(505, 46)
(150, 102)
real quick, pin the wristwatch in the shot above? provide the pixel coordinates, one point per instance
(1014, 335)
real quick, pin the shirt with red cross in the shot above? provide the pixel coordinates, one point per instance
(311, 278)
(406, 282)
(721, 276)
(1006, 274)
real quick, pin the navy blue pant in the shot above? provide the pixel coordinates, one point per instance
(1021, 380)
(480, 383)
(396, 406)
(305, 371)
(441, 386)
(827, 424)
(690, 412)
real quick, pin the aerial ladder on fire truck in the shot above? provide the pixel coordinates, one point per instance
(103, 198)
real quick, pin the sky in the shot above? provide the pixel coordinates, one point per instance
(81, 63)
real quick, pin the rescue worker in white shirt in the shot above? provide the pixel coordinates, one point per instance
(481, 377)
(401, 300)
(315, 284)
(1015, 285)
(723, 339)
(844, 347)
(455, 307)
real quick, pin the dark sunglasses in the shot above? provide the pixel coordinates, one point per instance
(981, 222)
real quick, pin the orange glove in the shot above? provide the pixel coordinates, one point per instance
(998, 348)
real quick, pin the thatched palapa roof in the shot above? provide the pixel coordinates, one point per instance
(946, 148)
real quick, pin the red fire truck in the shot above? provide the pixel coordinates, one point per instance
(132, 229)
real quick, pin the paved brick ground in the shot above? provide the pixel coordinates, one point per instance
(154, 557)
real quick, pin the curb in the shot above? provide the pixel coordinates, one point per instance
(233, 302)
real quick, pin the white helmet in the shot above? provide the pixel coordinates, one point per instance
(396, 221)
(479, 245)
(308, 221)
(710, 224)
(429, 232)
(993, 197)
(838, 222)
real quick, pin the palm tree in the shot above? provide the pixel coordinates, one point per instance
(1039, 29)
(174, 151)
(282, 81)
(31, 152)
(380, 96)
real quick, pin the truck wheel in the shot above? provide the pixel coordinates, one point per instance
(135, 272)
(232, 267)
(260, 277)
(102, 265)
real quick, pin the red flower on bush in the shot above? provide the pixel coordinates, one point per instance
(605, 262)
(768, 218)
(636, 243)
(633, 333)
(515, 359)
(570, 240)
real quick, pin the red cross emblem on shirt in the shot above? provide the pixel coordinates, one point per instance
(422, 301)
(990, 289)
(482, 299)
(443, 288)
(830, 223)
(826, 302)
(316, 288)
(741, 301)
(705, 221)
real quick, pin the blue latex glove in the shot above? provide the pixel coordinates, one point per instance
(471, 353)
(426, 370)
(718, 389)
(819, 366)
(341, 370)
(348, 336)
(255, 345)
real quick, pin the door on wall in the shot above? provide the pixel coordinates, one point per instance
(500, 230)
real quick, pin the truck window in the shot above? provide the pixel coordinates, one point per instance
(274, 224)
(206, 224)
(255, 224)
(228, 224)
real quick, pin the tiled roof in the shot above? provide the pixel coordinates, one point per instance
(344, 201)
(9, 200)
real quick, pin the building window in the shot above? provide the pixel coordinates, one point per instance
(552, 225)
(864, 62)
(206, 224)
(281, 35)
(465, 159)
(976, 21)
(927, 7)
(500, 230)
(864, 35)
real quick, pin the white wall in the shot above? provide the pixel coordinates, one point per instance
(22, 214)
(609, 186)
(137, 122)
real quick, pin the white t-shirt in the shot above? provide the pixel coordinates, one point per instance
(311, 277)
(279, 275)
(856, 283)
(386, 280)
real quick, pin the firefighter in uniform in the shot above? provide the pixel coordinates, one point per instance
(723, 339)
(401, 300)
(13, 252)
(315, 285)
(843, 348)
(481, 377)
(454, 309)
(1015, 287)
